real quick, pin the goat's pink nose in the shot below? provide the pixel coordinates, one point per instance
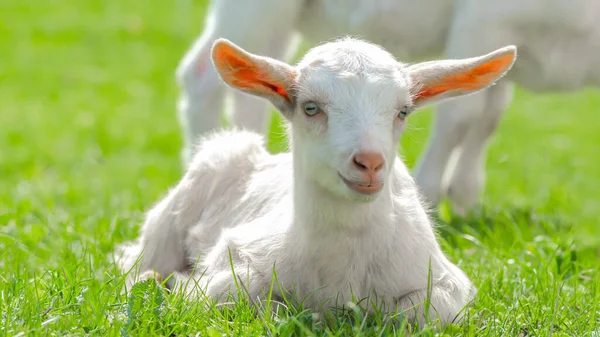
(370, 162)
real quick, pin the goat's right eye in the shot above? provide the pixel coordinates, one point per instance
(311, 108)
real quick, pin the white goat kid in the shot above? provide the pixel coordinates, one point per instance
(551, 35)
(340, 215)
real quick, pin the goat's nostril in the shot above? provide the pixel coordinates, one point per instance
(368, 161)
(359, 164)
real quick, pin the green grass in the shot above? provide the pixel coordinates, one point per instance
(89, 140)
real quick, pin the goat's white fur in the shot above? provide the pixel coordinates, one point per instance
(559, 43)
(292, 213)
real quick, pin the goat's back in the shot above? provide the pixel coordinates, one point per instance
(231, 181)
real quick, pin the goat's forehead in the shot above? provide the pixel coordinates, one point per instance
(350, 65)
(335, 85)
(328, 84)
(350, 55)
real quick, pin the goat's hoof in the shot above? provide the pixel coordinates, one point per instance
(150, 274)
(458, 203)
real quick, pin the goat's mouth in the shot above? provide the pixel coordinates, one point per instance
(361, 187)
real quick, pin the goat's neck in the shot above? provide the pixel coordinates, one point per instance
(317, 211)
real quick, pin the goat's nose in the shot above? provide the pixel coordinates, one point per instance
(368, 161)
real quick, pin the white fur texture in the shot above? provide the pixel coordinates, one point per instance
(293, 214)
(559, 43)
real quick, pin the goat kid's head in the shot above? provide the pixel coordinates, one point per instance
(348, 102)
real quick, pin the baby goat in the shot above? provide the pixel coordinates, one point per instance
(339, 216)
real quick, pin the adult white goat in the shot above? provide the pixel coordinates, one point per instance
(338, 216)
(559, 43)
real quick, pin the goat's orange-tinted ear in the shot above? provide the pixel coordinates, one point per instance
(436, 80)
(261, 76)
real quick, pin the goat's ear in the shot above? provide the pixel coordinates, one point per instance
(437, 80)
(257, 75)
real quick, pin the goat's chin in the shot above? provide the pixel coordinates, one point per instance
(355, 196)
(363, 199)
(343, 192)
(334, 186)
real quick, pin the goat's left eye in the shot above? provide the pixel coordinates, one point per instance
(311, 108)
(402, 114)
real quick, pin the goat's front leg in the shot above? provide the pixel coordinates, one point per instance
(452, 121)
(467, 178)
(223, 274)
(446, 303)
(464, 125)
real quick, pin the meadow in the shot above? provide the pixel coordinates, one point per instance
(89, 140)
